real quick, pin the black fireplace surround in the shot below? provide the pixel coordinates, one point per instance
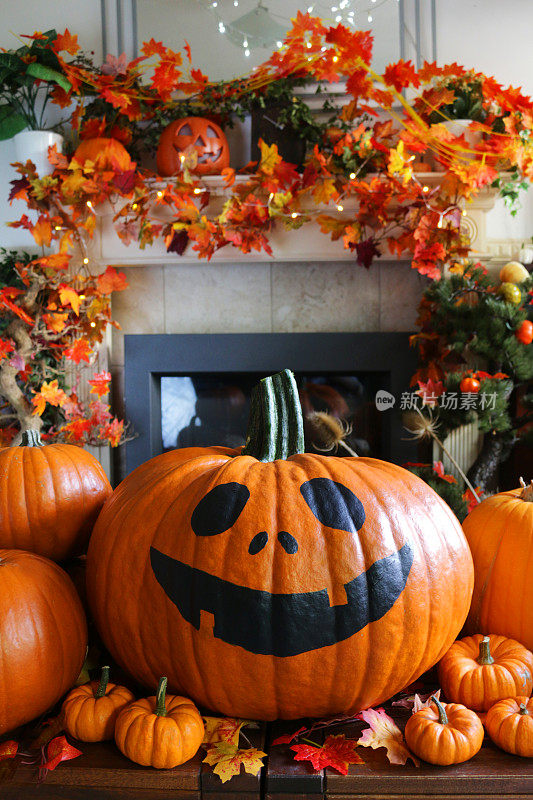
(149, 357)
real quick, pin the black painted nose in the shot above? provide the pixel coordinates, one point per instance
(288, 542)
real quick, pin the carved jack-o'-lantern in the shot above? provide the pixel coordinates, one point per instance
(271, 583)
(201, 134)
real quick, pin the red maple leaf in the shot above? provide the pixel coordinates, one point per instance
(401, 74)
(79, 350)
(152, 48)
(438, 469)
(19, 189)
(66, 41)
(177, 242)
(336, 752)
(287, 738)
(6, 346)
(57, 751)
(366, 252)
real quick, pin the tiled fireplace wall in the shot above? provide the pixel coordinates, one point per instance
(261, 297)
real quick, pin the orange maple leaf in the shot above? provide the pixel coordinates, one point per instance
(57, 261)
(100, 383)
(79, 350)
(227, 759)
(70, 297)
(6, 346)
(48, 393)
(111, 281)
(42, 232)
(66, 41)
(337, 752)
(112, 431)
(383, 732)
(401, 74)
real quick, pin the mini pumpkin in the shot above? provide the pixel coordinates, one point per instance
(52, 495)
(509, 724)
(480, 670)
(161, 731)
(524, 332)
(202, 135)
(445, 734)
(43, 636)
(500, 534)
(105, 153)
(90, 711)
(277, 569)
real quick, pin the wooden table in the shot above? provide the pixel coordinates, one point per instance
(102, 773)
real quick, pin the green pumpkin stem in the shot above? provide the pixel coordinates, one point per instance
(31, 438)
(523, 709)
(102, 686)
(484, 658)
(443, 717)
(275, 427)
(160, 708)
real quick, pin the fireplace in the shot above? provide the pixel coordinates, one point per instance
(193, 389)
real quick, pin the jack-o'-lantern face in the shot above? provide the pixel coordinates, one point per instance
(281, 623)
(204, 136)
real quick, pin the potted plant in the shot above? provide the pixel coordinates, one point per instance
(28, 78)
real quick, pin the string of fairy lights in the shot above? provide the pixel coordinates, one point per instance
(260, 27)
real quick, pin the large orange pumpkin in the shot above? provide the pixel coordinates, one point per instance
(204, 136)
(43, 636)
(500, 534)
(106, 153)
(270, 583)
(50, 496)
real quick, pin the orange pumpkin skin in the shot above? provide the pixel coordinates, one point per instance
(444, 738)
(205, 136)
(43, 634)
(510, 725)
(90, 711)
(50, 497)
(153, 740)
(106, 153)
(500, 534)
(464, 677)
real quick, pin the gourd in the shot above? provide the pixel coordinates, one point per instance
(270, 583)
(105, 153)
(509, 724)
(162, 731)
(50, 497)
(90, 711)
(203, 136)
(445, 734)
(480, 670)
(43, 634)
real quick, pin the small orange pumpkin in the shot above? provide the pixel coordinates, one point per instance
(500, 534)
(90, 711)
(106, 154)
(480, 670)
(449, 734)
(510, 725)
(51, 496)
(160, 734)
(206, 137)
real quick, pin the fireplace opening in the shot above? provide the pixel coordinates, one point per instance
(183, 390)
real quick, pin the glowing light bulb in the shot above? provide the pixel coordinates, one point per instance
(235, 3)
(463, 213)
(335, 58)
(294, 215)
(85, 260)
(89, 204)
(93, 324)
(338, 18)
(246, 52)
(221, 27)
(279, 44)
(370, 17)
(57, 228)
(198, 191)
(440, 223)
(82, 297)
(425, 188)
(352, 176)
(215, 4)
(160, 194)
(245, 43)
(310, 10)
(340, 208)
(309, 45)
(334, 8)
(182, 158)
(135, 206)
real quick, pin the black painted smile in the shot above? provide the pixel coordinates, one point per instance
(282, 624)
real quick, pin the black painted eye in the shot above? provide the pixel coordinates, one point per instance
(288, 542)
(219, 509)
(258, 542)
(333, 504)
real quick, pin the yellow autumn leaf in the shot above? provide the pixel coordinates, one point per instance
(399, 163)
(324, 191)
(222, 729)
(383, 732)
(226, 760)
(270, 157)
(69, 297)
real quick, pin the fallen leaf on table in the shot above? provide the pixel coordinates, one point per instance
(336, 752)
(227, 759)
(222, 729)
(57, 751)
(415, 702)
(384, 732)
(287, 738)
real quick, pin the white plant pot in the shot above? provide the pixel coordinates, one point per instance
(459, 127)
(34, 145)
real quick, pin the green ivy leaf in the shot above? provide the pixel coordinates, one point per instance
(10, 122)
